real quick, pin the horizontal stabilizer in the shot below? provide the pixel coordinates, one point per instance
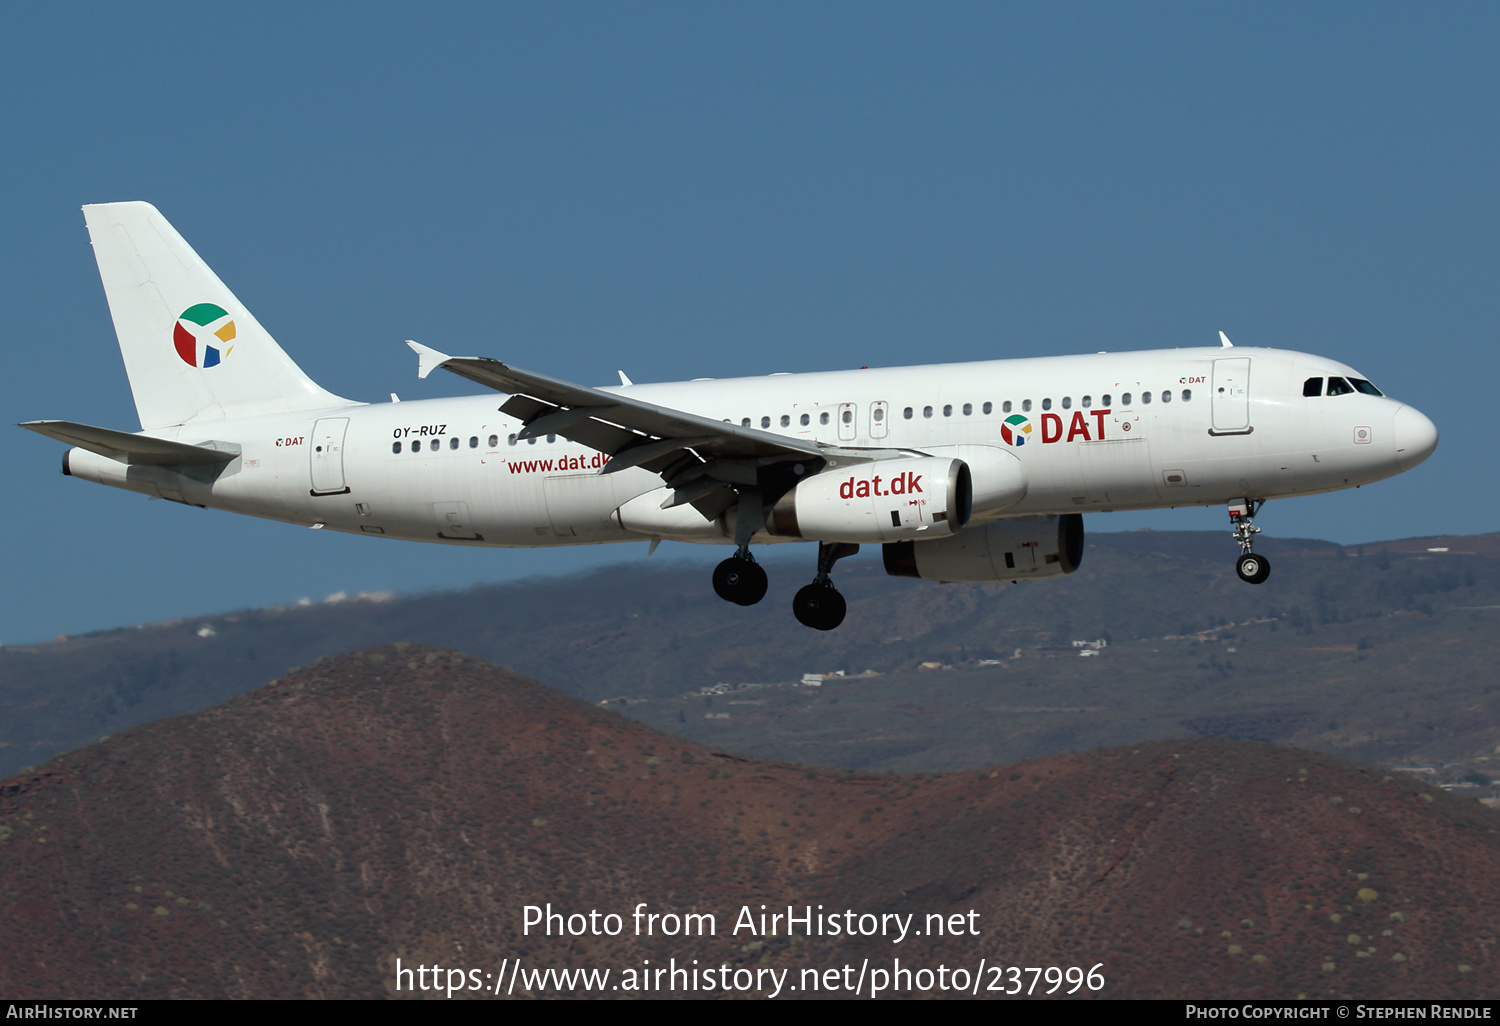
(127, 448)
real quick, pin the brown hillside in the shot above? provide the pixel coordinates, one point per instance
(408, 802)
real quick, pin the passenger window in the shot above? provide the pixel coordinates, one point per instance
(1104, 399)
(948, 411)
(786, 421)
(453, 442)
(765, 422)
(1125, 399)
(1046, 404)
(1145, 398)
(1312, 387)
(968, 409)
(906, 413)
(433, 445)
(1365, 387)
(823, 418)
(1338, 386)
(1067, 402)
(511, 440)
(879, 414)
(989, 408)
(1025, 405)
(494, 441)
(806, 420)
(1005, 406)
(745, 422)
(531, 440)
(848, 417)
(395, 447)
(551, 439)
(927, 411)
(1166, 396)
(1088, 401)
(473, 441)
(1187, 395)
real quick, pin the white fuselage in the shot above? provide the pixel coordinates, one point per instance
(1106, 432)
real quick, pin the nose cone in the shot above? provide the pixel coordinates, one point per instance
(1416, 437)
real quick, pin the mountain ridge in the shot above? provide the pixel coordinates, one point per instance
(409, 802)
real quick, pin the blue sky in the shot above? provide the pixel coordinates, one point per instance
(685, 190)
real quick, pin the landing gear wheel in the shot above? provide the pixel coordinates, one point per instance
(819, 606)
(1253, 569)
(740, 580)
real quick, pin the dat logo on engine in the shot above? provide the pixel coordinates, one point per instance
(904, 483)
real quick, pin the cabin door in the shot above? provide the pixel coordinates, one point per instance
(328, 456)
(1231, 396)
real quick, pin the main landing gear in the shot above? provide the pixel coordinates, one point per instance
(740, 579)
(819, 605)
(1252, 569)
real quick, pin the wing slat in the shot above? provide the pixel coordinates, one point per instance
(621, 421)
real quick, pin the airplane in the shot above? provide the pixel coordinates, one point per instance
(961, 472)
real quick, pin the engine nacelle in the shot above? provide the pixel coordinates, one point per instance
(883, 501)
(999, 479)
(1022, 549)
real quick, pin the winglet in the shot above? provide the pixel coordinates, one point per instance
(623, 379)
(1223, 338)
(428, 360)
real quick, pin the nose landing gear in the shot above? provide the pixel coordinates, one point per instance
(1252, 569)
(819, 604)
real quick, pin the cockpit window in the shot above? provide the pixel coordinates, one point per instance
(1365, 387)
(1312, 387)
(1338, 386)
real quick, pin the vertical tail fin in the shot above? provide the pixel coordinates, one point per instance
(192, 351)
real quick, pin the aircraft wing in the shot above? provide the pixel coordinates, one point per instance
(634, 432)
(127, 448)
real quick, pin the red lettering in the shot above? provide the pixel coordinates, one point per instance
(863, 491)
(898, 484)
(877, 485)
(846, 490)
(1051, 427)
(1099, 416)
(1078, 427)
(913, 482)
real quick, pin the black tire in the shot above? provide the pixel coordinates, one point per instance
(820, 607)
(1253, 569)
(741, 581)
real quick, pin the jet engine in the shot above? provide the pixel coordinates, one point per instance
(887, 500)
(999, 479)
(1020, 549)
